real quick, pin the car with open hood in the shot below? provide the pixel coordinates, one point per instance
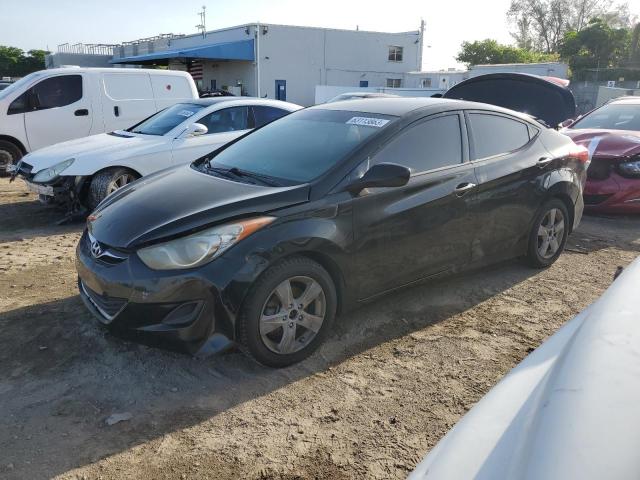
(265, 240)
(569, 410)
(612, 135)
(81, 173)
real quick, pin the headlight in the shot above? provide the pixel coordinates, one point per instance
(630, 169)
(201, 247)
(52, 172)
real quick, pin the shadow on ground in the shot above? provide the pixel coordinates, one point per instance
(62, 374)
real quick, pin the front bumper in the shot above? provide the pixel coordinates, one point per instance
(180, 310)
(615, 194)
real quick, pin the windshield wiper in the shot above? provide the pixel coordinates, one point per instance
(236, 173)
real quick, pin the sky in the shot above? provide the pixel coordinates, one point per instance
(44, 24)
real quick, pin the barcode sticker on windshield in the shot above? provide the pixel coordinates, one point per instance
(185, 113)
(368, 122)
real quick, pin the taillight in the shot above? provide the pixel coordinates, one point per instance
(580, 153)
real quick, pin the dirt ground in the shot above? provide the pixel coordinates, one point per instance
(395, 376)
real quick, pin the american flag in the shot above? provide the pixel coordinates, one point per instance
(195, 69)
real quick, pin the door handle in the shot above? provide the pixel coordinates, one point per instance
(83, 112)
(464, 188)
(116, 111)
(544, 161)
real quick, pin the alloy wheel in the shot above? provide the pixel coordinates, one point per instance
(119, 182)
(550, 233)
(293, 315)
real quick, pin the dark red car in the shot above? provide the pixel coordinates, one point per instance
(611, 133)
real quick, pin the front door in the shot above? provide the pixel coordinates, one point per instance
(59, 110)
(281, 90)
(407, 233)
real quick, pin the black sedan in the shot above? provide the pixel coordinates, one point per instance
(264, 241)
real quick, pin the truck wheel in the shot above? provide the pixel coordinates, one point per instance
(548, 235)
(288, 312)
(106, 182)
(9, 155)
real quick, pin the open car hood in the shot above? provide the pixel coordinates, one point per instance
(542, 97)
(570, 410)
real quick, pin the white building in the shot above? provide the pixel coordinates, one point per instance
(280, 61)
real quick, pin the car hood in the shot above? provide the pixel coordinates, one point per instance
(570, 410)
(114, 145)
(179, 200)
(607, 144)
(544, 98)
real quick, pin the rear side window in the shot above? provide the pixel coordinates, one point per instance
(430, 144)
(49, 93)
(226, 120)
(263, 115)
(496, 135)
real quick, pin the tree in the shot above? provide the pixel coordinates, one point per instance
(14, 62)
(490, 51)
(598, 45)
(542, 24)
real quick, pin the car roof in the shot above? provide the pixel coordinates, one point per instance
(243, 100)
(633, 100)
(399, 106)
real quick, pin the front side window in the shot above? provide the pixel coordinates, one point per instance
(395, 53)
(51, 92)
(612, 117)
(226, 120)
(394, 82)
(263, 115)
(496, 135)
(432, 143)
(167, 119)
(303, 145)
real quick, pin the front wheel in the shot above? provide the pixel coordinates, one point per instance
(288, 312)
(548, 235)
(10, 154)
(106, 182)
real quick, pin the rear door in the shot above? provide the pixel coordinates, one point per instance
(509, 161)
(127, 98)
(263, 114)
(57, 109)
(407, 233)
(223, 126)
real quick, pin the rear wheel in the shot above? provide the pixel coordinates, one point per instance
(106, 182)
(10, 154)
(288, 312)
(548, 235)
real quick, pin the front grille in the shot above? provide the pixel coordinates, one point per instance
(595, 199)
(24, 169)
(599, 169)
(104, 254)
(106, 305)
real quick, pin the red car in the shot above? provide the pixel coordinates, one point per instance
(611, 133)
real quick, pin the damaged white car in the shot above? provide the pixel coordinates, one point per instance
(570, 410)
(81, 173)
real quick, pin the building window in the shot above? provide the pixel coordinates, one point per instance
(394, 82)
(395, 53)
(426, 82)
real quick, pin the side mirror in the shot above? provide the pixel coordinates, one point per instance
(381, 175)
(195, 130)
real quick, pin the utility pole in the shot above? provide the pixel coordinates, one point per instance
(203, 21)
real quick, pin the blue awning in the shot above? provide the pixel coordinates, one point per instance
(240, 50)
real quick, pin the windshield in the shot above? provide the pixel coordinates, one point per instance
(612, 117)
(167, 119)
(20, 84)
(301, 146)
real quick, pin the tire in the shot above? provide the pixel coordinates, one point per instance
(541, 231)
(106, 182)
(264, 319)
(10, 154)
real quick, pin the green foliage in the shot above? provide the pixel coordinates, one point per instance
(15, 63)
(490, 51)
(596, 46)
